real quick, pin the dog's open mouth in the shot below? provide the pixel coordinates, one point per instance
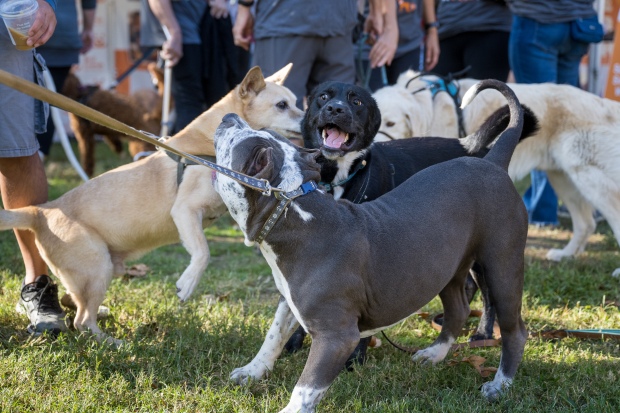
(334, 137)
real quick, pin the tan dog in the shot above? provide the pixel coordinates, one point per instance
(578, 143)
(126, 109)
(86, 235)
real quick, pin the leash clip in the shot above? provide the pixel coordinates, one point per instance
(267, 190)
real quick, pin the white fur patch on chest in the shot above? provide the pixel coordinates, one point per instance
(344, 167)
(281, 283)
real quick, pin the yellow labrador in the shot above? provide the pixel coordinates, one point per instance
(86, 235)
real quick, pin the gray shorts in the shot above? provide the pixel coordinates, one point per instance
(17, 110)
(315, 60)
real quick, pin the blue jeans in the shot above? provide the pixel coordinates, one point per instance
(541, 53)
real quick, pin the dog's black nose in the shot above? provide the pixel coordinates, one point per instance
(336, 108)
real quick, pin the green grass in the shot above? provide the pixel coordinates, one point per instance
(179, 355)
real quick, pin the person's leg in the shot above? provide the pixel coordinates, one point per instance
(186, 86)
(23, 182)
(451, 56)
(487, 55)
(334, 61)
(533, 53)
(274, 53)
(59, 74)
(569, 60)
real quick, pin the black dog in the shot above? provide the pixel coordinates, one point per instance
(342, 121)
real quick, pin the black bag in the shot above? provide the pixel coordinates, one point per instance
(587, 30)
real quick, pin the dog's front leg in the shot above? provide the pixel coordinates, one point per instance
(328, 354)
(580, 212)
(283, 325)
(187, 213)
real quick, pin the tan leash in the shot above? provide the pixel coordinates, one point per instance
(70, 105)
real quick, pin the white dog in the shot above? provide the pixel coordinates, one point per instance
(578, 143)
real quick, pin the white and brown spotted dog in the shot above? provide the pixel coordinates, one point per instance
(385, 258)
(577, 144)
(86, 235)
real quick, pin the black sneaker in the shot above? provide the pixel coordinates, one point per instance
(39, 301)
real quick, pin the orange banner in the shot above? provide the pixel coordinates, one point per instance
(612, 90)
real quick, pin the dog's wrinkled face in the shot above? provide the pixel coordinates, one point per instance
(341, 118)
(260, 154)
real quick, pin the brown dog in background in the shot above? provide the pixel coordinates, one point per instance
(126, 109)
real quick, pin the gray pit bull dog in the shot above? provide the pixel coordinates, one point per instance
(348, 270)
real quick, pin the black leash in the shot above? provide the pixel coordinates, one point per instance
(145, 55)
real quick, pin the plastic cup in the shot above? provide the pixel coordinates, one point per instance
(18, 16)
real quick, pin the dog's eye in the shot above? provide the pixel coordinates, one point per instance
(324, 96)
(357, 102)
(282, 105)
(389, 124)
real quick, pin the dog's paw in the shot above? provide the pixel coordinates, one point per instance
(434, 353)
(493, 390)
(113, 342)
(555, 254)
(185, 288)
(616, 273)
(430, 355)
(243, 374)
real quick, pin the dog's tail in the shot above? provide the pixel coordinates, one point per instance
(494, 125)
(507, 141)
(21, 218)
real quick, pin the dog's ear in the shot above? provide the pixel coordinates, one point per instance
(260, 165)
(280, 76)
(252, 83)
(308, 154)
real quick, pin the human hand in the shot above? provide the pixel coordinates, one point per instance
(243, 30)
(87, 41)
(219, 8)
(384, 48)
(43, 26)
(172, 49)
(432, 49)
(373, 25)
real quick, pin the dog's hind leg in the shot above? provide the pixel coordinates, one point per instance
(503, 263)
(296, 341)
(602, 192)
(281, 328)
(581, 214)
(86, 146)
(114, 141)
(608, 204)
(456, 311)
(487, 320)
(87, 287)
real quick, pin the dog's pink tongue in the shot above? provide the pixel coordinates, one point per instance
(335, 138)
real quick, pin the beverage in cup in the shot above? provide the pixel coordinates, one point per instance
(18, 16)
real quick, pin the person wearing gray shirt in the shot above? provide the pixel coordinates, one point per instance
(314, 35)
(474, 34)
